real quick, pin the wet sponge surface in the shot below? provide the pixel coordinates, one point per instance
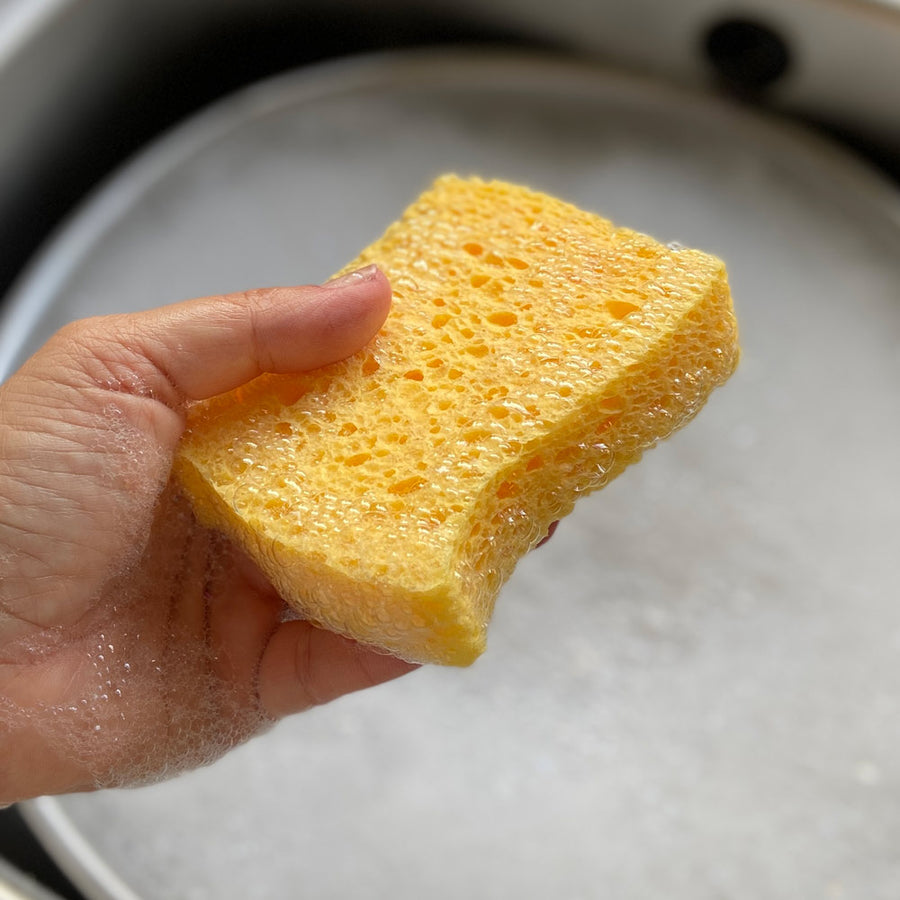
(533, 351)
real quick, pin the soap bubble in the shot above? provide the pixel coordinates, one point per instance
(143, 695)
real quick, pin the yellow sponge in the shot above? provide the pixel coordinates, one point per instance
(532, 352)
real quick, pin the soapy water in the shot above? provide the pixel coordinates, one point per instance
(138, 688)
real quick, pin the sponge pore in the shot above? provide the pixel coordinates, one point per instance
(532, 352)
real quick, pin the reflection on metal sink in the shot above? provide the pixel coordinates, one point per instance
(22, 860)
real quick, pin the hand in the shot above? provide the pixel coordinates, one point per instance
(133, 642)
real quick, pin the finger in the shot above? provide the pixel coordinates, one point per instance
(304, 666)
(199, 348)
(550, 532)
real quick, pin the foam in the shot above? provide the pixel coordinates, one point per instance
(137, 696)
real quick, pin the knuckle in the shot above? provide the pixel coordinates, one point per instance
(254, 305)
(110, 353)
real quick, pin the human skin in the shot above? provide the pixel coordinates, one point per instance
(135, 643)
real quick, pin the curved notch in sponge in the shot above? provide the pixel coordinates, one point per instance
(532, 352)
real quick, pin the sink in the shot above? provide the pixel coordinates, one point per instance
(169, 54)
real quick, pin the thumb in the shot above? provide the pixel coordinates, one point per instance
(199, 348)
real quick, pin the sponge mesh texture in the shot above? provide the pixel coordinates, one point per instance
(532, 352)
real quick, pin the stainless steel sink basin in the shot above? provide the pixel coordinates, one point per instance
(83, 86)
(26, 871)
